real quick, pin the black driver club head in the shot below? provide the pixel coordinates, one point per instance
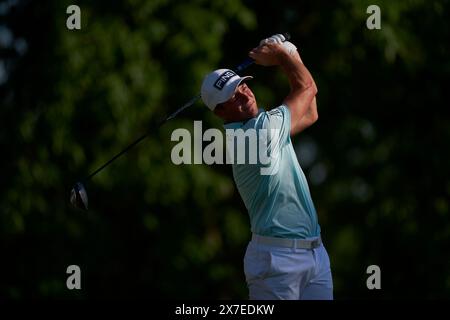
(78, 196)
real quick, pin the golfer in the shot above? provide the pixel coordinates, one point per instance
(285, 258)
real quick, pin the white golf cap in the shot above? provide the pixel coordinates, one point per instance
(219, 86)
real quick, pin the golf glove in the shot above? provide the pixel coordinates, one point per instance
(280, 39)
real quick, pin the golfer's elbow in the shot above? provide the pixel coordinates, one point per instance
(315, 113)
(312, 112)
(309, 86)
(314, 88)
(314, 116)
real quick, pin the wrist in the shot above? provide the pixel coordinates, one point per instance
(287, 60)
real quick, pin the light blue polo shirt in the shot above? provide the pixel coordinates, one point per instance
(279, 204)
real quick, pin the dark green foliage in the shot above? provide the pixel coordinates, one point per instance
(377, 159)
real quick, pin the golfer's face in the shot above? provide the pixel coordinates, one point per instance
(242, 105)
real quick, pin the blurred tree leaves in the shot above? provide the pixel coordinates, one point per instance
(86, 95)
(377, 159)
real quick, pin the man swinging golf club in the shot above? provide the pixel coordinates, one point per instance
(285, 258)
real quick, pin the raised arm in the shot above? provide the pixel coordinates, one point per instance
(310, 117)
(301, 98)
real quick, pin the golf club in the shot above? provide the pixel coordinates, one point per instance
(78, 194)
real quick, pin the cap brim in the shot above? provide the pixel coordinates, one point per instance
(231, 88)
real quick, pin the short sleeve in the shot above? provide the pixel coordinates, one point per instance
(278, 124)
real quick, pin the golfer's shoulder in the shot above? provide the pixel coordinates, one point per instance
(280, 111)
(276, 116)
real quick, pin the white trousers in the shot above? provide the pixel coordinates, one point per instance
(274, 272)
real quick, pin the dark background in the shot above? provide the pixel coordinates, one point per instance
(377, 161)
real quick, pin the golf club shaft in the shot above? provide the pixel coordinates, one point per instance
(245, 64)
(117, 155)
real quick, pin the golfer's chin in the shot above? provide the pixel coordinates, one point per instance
(250, 110)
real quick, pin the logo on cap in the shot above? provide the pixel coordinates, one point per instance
(223, 79)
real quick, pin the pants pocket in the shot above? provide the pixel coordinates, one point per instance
(256, 263)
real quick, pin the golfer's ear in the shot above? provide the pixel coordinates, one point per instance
(219, 110)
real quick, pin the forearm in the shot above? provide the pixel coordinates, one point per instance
(298, 75)
(301, 99)
(302, 86)
(311, 115)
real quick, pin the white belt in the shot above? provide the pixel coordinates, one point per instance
(289, 243)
